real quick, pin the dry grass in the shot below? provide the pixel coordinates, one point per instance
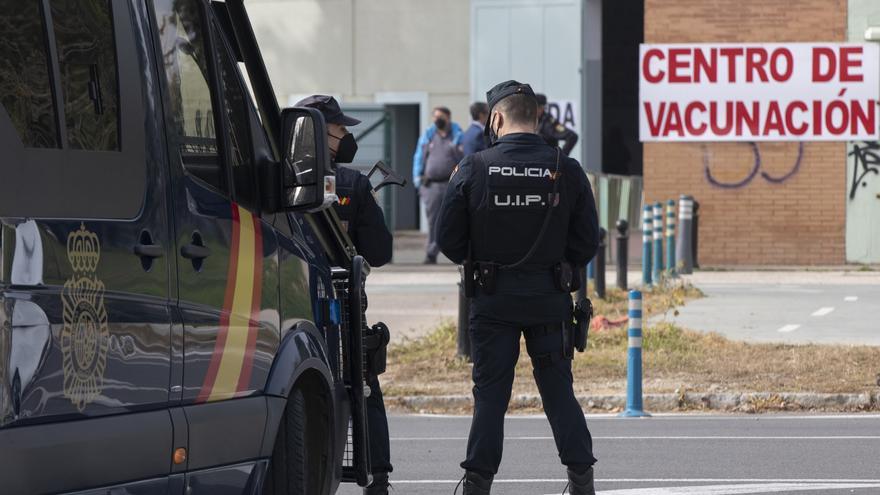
(675, 359)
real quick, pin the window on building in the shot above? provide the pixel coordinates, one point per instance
(182, 34)
(25, 90)
(87, 65)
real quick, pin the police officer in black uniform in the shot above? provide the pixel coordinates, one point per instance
(552, 130)
(524, 214)
(365, 224)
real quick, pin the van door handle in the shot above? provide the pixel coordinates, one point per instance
(149, 250)
(195, 252)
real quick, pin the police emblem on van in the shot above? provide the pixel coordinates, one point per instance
(85, 335)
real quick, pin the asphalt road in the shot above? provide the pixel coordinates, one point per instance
(663, 455)
(792, 313)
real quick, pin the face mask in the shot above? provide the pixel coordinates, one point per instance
(440, 123)
(346, 149)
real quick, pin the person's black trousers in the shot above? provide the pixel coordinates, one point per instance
(377, 422)
(495, 348)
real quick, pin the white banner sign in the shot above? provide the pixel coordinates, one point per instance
(565, 112)
(759, 92)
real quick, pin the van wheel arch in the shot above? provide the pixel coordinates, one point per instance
(301, 461)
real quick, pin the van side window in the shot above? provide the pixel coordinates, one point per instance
(236, 104)
(25, 91)
(182, 34)
(87, 66)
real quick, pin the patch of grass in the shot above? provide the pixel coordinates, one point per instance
(674, 360)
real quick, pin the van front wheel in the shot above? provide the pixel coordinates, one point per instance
(301, 451)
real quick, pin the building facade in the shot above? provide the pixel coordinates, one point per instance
(801, 208)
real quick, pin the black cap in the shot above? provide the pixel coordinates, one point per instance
(502, 91)
(541, 98)
(329, 107)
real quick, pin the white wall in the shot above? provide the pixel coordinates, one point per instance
(532, 41)
(366, 50)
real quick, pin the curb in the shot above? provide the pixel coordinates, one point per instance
(736, 402)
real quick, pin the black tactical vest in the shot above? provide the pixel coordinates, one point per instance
(509, 215)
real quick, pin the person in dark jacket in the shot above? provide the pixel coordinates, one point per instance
(363, 220)
(552, 130)
(521, 211)
(474, 138)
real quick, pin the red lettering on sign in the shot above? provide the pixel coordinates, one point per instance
(724, 129)
(773, 122)
(789, 118)
(673, 121)
(749, 119)
(837, 129)
(847, 63)
(817, 117)
(689, 118)
(781, 53)
(731, 54)
(707, 67)
(677, 62)
(823, 55)
(654, 123)
(864, 116)
(756, 59)
(646, 65)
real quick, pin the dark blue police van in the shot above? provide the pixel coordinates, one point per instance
(180, 312)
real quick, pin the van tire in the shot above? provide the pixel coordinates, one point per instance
(298, 460)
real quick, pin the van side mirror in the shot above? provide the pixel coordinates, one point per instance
(305, 161)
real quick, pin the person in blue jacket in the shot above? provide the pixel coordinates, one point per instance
(437, 154)
(474, 138)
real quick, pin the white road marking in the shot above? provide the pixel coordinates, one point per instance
(688, 416)
(836, 482)
(680, 437)
(788, 328)
(823, 311)
(737, 489)
(851, 298)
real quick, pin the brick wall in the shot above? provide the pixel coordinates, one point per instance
(798, 222)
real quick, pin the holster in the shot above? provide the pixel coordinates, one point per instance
(563, 277)
(582, 314)
(487, 275)
(376, 340)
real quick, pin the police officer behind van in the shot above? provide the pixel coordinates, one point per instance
(552, 130)
(365, 225)
(524, 214)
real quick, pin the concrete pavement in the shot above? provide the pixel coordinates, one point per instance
(663, 455)
(795, 307)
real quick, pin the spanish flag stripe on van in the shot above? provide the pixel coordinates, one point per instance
(230, 369)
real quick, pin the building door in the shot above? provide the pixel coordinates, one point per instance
(863, 202)
(531, 41)
(862, 163)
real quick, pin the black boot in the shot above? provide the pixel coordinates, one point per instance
(476, 484)
(379, 486)
(581, 484)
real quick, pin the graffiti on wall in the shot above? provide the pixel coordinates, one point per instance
(755, 170)
(866, 160)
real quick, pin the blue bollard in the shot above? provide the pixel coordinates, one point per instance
(670, 237)
(647, 230)
(634, 408)
(591, 269)
(658, 242)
